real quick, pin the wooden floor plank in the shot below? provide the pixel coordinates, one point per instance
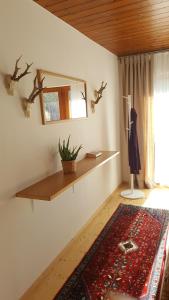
(57, 273)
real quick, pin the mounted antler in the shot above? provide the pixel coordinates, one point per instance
(14, 77)
(83, 96)
(11, 80)
(98, 94)
(37, 88)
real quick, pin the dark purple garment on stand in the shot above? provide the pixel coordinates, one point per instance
(133, 149)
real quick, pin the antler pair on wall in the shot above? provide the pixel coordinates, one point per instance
(37, 88)
(98, 95)
(15, 77)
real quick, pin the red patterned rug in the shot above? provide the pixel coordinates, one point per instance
(127, 257)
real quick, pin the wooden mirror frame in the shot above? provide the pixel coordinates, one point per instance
(41, 73)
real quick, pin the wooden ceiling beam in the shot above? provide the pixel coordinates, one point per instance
(158, 30)
(100, 11)
(126, 22)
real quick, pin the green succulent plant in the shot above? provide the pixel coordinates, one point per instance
(66, 152)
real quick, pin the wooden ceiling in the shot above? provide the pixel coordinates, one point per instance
(121, 26)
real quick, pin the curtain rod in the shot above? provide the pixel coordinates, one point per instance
(149, 52)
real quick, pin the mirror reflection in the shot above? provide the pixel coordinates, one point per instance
(62, 97)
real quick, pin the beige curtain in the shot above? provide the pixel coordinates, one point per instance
(136, 80)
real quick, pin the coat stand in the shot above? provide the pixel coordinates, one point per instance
(131, 193)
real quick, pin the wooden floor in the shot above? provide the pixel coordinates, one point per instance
(53, 278)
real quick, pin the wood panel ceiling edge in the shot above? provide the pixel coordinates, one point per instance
(123, 27)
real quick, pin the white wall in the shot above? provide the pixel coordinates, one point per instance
(32, 233)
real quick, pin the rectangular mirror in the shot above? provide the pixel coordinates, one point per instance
(62, 98)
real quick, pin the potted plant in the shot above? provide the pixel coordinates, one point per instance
(68, 156)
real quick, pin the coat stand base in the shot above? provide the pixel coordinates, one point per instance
(132, 193)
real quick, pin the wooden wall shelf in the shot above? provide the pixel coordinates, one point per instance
(55, 184)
